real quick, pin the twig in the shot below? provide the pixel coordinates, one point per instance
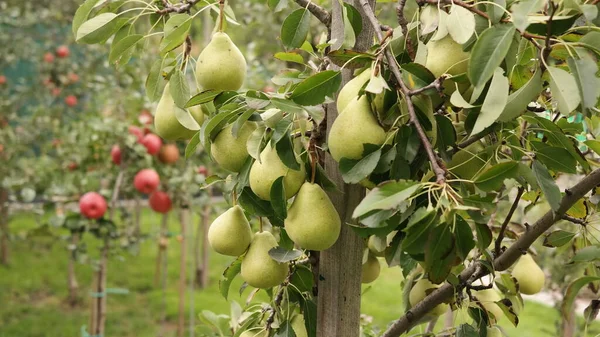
(436, 164)
(575, 220)
(178, 8)
(502, 262)
(186, 52)
(278, 299)
(317, 11)
(437, 85)
(404, 25)
(513, 208)
(545, 52)
(471, 140)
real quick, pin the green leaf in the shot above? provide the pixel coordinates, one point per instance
(285, 151)
(585, 69)
(190, 149)
(484, 235)
(285, 330)
(488, 53)
(464, 237)
(354, 18)
(283, 255)
(594, 145)
(176, 30)
(387, 196)
(440, 246)
(315, 89)
(180, 90)
(458, 100)
(564, 90)
(587, 254)
(518, 100)
(460, 24)
(417, 234)
(521, 9)
(277, 5)
(184, 117)
(295, 27)
(278, 199)
(290, 57)
(228, 275)
(353, 171)
(253, 204)
(492, 179)
(571, 293)
(558, 238)
(557, 159)
(465, 330)
(153, 81)
(547, 184)
(123, 46)
(82, 14)
(97, 29)
(494, 102)
(203, 97)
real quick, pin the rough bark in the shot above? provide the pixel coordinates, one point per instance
(340, 266)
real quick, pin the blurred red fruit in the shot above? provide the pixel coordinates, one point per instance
(73, 77)
(48, 57)
(160, 202)
(56, 92)
(1, 148)
(56, 142)
(92, 205)
(115, 154)
(2, 79)
(71, 100)
(152, 143)
(145, 117)
(48, 82)
(146, 181)
(168, 154)
(134, 130)
(62, 51)
(72, 166)
(203, 170)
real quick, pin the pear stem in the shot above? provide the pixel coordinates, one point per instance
(221, 14)
(234, 197)
(260, 224)
(313, 162)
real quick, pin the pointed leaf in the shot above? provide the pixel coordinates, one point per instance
(460, 24)
(585, 69)
(294, 29)
(82, 14)
(564, 90)
(278, 199)
(547, 184)
(493, 178)
(315, 89)
(494, 102)
(488, 53)
(386, 196)
(518, 100)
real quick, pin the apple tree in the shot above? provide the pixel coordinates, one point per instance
(418, 127)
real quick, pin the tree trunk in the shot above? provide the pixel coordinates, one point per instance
(185, 215)
(201, 251)
(98, 317)
(4, 250)
(137, 212)
(340, 266)
(72, 283)
(162, 247)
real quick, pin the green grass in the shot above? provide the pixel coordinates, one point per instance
(33, 290)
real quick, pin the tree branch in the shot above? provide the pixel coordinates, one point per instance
(317, 11)
(575, 220)
(513, 208)
(404, 25)
(502, 262)
(438, 168)
(184, 7)
(437, 85)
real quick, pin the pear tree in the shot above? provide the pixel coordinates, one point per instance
(399, 137)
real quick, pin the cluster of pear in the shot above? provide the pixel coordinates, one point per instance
(220, 66)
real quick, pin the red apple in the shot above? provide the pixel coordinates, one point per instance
(146, 181)
(72, 166)
(73, 77)
(2, 79)
(160, 202)
(134, 130)
(48, 57)
(71, 100)
(152, 143)
(56, 92)
(203, 170)
(168, 154)
(1, 148)
(92, 205)
(145, 117)
(115, 154)
(62, 51)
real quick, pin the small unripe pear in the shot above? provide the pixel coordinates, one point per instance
(258, 268)
(270, 167)
(376, 246)
(221, 65)
(530, 276)
(230, 233)
(165, 122)
(419, 291)
(370, 269)
(352, 89)
(494, 332)
(231, 152)
(446, 56)
(312, 221)
(352, 129)
(488, 297)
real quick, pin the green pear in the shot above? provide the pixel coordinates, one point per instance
(488, 297)
(376, 246)
(468, 162)
(530, 276)
(494, 332)
(258, 332)
(352, 129)
(258, 268)
(221, 65)
(270, 167)
(352, 89)
(420, 290)
(298, 326)
(370, 269)
(230, 233)
(445, 56)
(312, 222)
(165, 122)
(231, 152)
